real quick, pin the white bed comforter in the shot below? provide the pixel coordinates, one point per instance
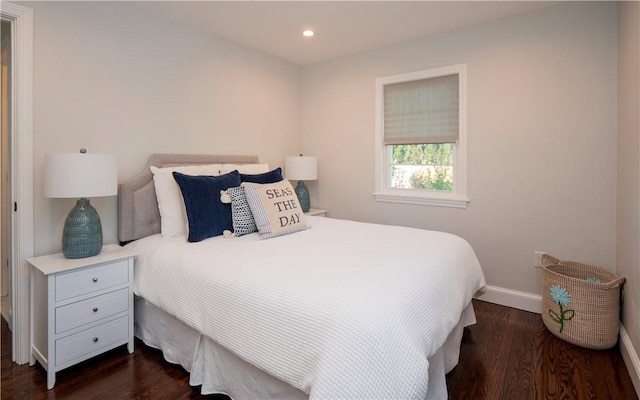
(340, 310)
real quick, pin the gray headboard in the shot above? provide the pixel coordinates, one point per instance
(138, 207)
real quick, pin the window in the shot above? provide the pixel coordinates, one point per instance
(421, 137)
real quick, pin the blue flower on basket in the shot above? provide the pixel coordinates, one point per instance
(560, 296)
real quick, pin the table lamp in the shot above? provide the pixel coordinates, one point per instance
(301, 168)
(81, 175)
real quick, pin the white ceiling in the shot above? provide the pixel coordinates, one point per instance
(341, 27)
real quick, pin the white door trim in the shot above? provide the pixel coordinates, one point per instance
(22, 238)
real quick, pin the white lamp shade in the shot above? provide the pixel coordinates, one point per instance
(301, 168)
(75, 175)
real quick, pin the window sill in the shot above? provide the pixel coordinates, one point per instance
(423, 199)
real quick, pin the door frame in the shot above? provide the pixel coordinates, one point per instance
(21, 178)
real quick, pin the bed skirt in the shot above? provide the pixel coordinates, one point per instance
(217, 370)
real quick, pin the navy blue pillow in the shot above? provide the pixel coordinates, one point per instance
(267, 177)
(206, 214)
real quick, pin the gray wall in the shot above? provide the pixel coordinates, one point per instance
(115, 78)
(628, 226)
(541, 137)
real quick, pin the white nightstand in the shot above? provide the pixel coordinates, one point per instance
(317, 212)
(80, 307)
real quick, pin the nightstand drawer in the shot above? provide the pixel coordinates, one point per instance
(86, 311)
(87, 280)
(92, 340)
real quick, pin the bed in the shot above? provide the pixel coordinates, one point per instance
(335, 309)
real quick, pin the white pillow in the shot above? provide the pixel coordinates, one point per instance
(173, 216)
(249, 169)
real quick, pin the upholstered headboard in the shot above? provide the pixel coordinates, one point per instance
(137, 203)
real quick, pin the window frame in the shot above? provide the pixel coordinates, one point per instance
(456, 198)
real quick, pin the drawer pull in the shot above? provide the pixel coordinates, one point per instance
(95, 309)
(95, 340)
(95, 279)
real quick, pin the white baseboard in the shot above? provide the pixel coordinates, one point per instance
(630, 357)
(533, 303)
(511, 298)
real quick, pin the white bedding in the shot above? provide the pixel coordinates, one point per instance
(341, 310)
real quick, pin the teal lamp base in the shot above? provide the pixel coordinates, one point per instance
(303, 196)
(82, 233)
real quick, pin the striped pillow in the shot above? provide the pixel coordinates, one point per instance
(275, 208)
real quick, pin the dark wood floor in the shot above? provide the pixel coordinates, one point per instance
(507, 355)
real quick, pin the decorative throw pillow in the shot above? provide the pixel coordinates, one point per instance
(241, 216)
(244, 168)
(173, 218)
(275, 208)
(206, 214)
(267, 177)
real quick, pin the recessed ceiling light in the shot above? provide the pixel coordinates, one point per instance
(308, 33)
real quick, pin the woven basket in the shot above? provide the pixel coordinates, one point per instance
(581, 303)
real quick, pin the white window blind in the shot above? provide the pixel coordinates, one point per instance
(422, 111)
